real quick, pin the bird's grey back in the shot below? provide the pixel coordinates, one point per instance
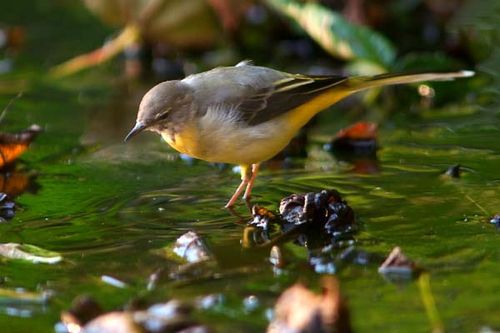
(231, 85)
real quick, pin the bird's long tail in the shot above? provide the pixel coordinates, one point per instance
(359, 83)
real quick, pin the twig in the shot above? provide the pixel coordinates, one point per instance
(128, 36)
(424, 286)
(4, 112)
(477, 205)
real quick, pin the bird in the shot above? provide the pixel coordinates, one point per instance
(246, 114)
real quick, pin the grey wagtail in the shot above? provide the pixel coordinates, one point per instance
(246, 114)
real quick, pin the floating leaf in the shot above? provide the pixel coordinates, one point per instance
(29, 253)
(14, 144)
(336, 35)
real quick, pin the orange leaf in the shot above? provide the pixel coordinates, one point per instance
(14, 144)
(359, 131)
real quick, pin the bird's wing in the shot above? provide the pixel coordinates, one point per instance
(284, 95)
(257, 93)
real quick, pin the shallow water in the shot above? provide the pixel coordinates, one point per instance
(107, 207)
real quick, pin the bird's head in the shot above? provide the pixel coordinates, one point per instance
(161, 107)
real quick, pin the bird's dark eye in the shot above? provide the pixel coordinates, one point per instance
(164, 115)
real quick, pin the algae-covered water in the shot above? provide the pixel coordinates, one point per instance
(107, 207)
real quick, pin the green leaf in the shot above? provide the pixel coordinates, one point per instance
(336, 35)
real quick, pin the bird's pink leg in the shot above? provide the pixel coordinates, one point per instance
(244, 182)
(248, 191)
(237, 193)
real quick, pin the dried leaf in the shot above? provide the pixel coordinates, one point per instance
(397, 266)
(299, 310)
(13, 145)
(360, 138)
(13, 183)
(359, 131)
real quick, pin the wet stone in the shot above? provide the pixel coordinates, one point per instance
(7, 208)
(496, 220)
(209, 301)
(191, 247)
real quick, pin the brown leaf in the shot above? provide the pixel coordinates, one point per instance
(14, 144)
(302, 311)
(14, 183)
(397, 266)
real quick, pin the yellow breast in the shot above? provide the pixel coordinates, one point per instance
(185, 141)
(218, 136)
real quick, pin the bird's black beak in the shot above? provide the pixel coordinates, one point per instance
(138, 128)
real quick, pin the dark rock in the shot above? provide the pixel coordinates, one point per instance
(454, 171)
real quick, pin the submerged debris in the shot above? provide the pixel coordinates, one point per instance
(7, 208)
(27, 252)
(397, 266)
(325, 208)
(300, 310)
(313, 220)
(170, 317)
(262, 217)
